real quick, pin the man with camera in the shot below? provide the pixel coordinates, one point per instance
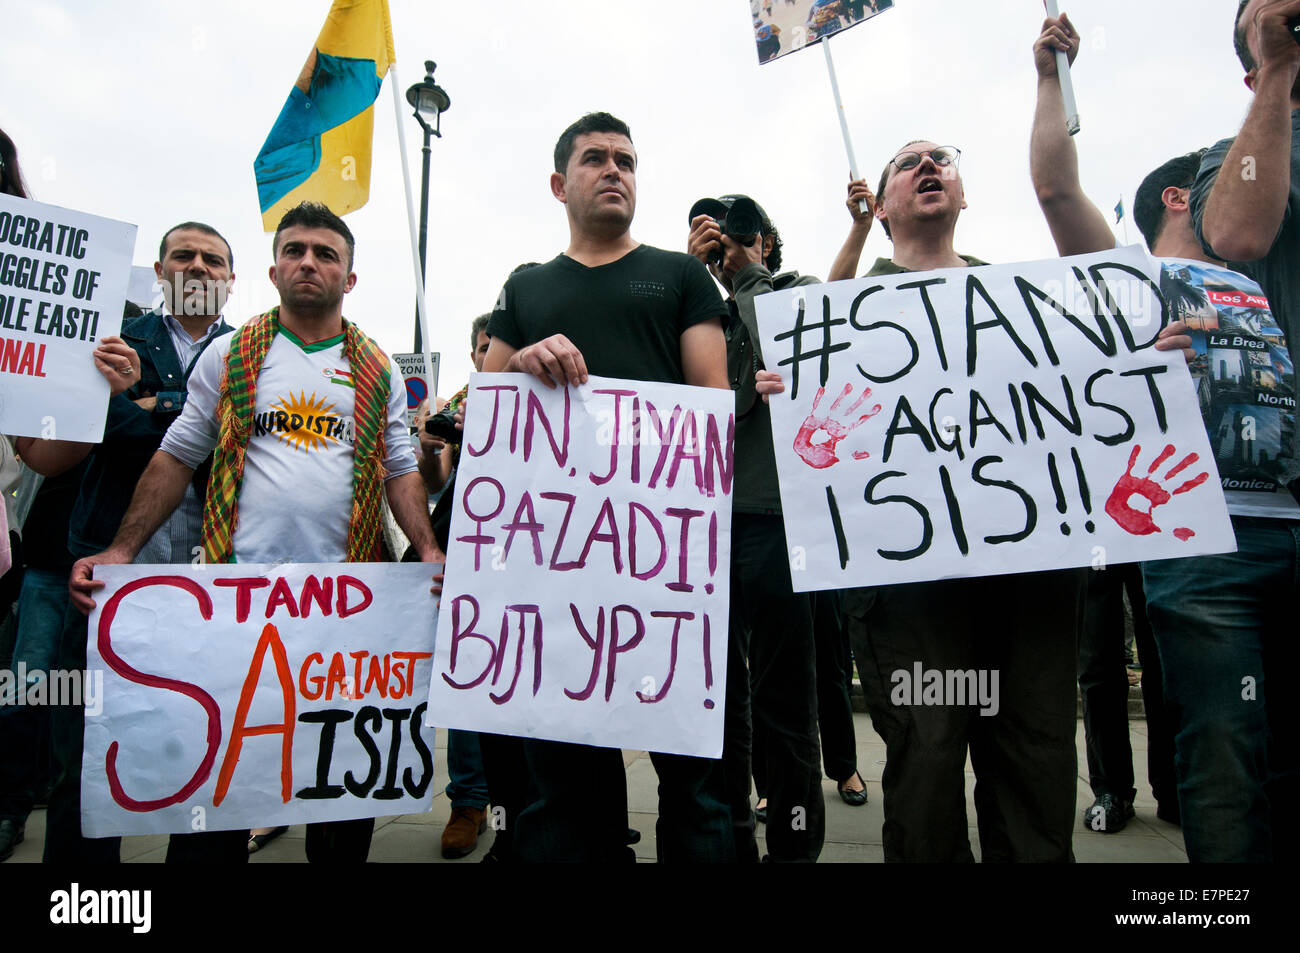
(612, 306)
(771, 674)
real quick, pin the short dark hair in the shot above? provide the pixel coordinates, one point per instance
(884, 180)
(1149, 203)
(479, 325)
(11, 177)
(1239, 38)
(592, 122)
(314, 215)
(198, 227)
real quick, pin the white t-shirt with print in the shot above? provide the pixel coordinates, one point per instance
(296, 499)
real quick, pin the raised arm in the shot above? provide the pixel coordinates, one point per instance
(846, 261)
(1077, 225)
(1245, 208)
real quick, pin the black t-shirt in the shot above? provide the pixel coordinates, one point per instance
(626, 317)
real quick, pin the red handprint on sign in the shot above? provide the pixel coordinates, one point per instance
(1141, 522)
(821, 455)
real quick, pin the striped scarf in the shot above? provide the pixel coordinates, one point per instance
(238, 397)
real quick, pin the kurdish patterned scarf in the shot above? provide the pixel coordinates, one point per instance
(370, 373)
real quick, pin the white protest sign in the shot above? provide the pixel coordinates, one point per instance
(417, 381)
(257, 695)
(63, 279)
(587, 572)
(978, 421)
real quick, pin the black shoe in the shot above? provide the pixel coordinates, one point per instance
(1108, 814)
(854, 798)
(11, 835)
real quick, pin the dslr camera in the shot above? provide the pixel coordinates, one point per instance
(738, 216)
(443, 425)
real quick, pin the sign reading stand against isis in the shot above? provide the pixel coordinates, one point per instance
(587, 576)
(979, 421)
(243, 695)
(63, 279)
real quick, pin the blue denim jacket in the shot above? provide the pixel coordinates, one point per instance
(131, 435)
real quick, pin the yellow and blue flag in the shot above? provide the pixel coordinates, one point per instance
(319, 148)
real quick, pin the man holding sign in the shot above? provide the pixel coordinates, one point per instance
(613, 307)
(1218, 620)
(306, 419)
(1015, 631)
(147, 370)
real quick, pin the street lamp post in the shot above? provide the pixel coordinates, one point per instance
(429, 101)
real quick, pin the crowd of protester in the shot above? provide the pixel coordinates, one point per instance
(1213, 632)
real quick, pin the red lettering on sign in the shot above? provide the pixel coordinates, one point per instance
(270, 640)
(114, 661)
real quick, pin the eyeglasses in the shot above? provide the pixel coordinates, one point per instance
(942, 156)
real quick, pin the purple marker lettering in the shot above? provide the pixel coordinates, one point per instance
(606, 514)
(616, 439)
(496, 410)
(685, 515)
(672, 654)
(523, 611)
(535, 413)
(528, 525)
(597, 646)
(724, 455)
(617, 648)
(479, 538)
(632, 509)
(569, 499)
(687, 447)
(459, 634)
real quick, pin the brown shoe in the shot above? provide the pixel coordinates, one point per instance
(460, 836)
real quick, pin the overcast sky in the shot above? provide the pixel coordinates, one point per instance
(152, 112)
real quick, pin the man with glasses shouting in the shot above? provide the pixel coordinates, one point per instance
(1022, 626)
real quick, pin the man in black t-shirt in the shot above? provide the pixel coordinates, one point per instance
(616, 308)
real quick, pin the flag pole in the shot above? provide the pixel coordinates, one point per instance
(415, 242)
(1063, 73)
(839, 111)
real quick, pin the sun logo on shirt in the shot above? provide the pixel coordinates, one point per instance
(306, 423)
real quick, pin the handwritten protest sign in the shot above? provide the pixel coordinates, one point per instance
(249, 695)
(784, 26)
(63, 278)
(587, 578)
(970, 422)
(419, 384)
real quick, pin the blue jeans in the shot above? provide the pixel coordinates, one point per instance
(24, 729)
(466, 782)
(1223, 626)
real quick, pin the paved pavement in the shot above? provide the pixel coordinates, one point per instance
(852, 833)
